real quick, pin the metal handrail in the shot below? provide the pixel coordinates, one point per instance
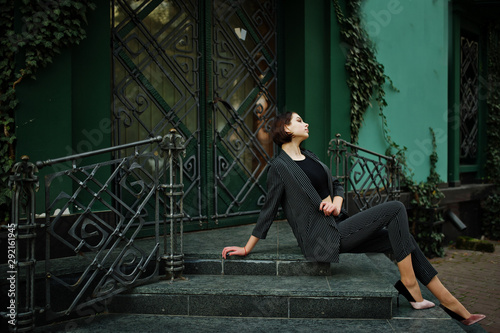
(348, 144)
(41, 164)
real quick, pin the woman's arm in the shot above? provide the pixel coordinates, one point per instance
(338, 189)
(275, 192)
(240, 251)
(270, 208)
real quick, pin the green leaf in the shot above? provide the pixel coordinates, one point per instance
(13, 104)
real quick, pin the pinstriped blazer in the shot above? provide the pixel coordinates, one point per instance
(289, 187)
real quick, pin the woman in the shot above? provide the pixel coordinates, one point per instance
(311, 200)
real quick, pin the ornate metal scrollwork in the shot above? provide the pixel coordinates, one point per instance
(469, 97)
(108, 258)
(371, 178)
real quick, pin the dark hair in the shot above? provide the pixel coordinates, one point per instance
(280, 136)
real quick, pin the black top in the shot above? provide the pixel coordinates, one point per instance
(316, 174)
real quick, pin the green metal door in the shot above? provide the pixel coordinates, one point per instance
(209, 70)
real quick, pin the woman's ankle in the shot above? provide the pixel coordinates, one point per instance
(457, 307)
(413, 288)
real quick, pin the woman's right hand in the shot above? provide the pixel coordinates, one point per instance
(329, 207)
(233, 250)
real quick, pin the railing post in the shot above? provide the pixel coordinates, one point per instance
(338, 149)
(396, 177)
(173, 189)
(21, 236)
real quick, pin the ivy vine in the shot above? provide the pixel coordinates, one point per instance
(366, 76)
(34, 32)
(425, 214)
(366, 82)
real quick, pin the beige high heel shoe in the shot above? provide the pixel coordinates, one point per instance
(425, 304)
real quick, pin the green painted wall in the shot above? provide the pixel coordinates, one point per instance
(44, 118)
(314, 74)
(317, 75)
(91, 86)
(66, 110)
(340, 100)
(411, 38)
(294, 55)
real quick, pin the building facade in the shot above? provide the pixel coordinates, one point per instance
(218, 71)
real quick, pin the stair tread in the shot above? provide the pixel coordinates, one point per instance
(354, 276)
(180, 324)
(318, 286)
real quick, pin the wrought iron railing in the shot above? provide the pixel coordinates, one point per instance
(93, 215)
(368, 178)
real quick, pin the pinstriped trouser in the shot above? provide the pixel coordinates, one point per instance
(384, 228)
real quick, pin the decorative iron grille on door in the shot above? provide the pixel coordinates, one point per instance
(469, 98)
(172, 62)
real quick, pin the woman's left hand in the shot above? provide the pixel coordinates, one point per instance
(233, 250)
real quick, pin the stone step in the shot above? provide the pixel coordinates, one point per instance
(355, 289)
(246, 266)
(244, 296)
(134, 323)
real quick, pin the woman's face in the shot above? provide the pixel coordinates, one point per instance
(298, 127)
